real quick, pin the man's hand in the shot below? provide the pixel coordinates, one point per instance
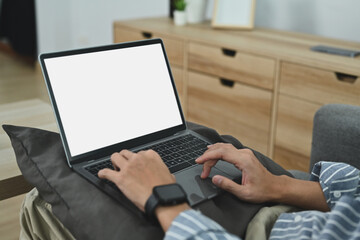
(136, 174)
(257, 182)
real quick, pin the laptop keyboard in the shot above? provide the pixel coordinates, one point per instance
(180, 152)
(177, 154)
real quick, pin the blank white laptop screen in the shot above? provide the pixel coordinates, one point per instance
(108, 97)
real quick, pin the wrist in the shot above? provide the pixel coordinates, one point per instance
(164, 196)
(167, 214)
(279, 190)
(299, 193)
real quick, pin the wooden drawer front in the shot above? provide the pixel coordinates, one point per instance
(174, 48)
(178, 75)
(294, 131)
(127, 35)
(240, 110)
(319, 86)
(245, 68)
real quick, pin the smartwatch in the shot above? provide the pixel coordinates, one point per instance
(164, 195)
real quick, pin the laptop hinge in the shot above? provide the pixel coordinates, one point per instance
(179, 133)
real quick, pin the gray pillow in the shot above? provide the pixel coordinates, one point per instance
(89, 213)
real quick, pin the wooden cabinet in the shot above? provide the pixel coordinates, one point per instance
(294, 132)
(319, 85)
(261, 86)
(175, 48)
(228, 91)
(231, 108)
(303, 90)
(232, 64)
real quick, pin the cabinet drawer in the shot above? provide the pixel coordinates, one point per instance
(230, 108)
(232, 64)
(127, 35)
(294, 132)
(319, 86)
(175, 48)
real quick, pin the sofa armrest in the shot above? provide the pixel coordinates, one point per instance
(336, 135)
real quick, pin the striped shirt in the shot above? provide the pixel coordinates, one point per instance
(340, 183)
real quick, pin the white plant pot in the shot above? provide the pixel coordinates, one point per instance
(179, 18)
(196, 10)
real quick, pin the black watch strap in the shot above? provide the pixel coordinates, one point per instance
(164, 195)
(150, 207)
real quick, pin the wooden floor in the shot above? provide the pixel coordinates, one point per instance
(19, 81)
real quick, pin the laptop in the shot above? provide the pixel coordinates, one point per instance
(123, 96)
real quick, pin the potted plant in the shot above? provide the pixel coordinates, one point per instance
(179, 12)
(196, 11)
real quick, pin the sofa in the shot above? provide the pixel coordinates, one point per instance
(336, 137)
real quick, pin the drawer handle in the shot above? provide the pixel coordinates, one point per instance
(227, 83)
(343, 77)
(228, 52)
(147, 34)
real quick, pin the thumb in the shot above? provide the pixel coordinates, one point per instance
(226, 184)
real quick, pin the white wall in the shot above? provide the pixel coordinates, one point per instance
(93, 19)
(66, 24)
(53, 23)
(329, 18)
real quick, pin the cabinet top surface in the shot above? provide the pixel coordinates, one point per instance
(287, 46)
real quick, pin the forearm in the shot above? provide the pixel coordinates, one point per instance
(166, 214)
(191, 224)
(299, 193)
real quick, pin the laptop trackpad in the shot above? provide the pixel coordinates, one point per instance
(229, 169)
(197, 189)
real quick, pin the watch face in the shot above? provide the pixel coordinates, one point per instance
(170, 194)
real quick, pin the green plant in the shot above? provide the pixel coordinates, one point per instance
(180, 5)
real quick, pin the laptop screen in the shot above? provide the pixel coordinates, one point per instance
(111, 96)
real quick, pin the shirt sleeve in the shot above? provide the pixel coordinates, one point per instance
(336, 180)
(340, 184)
(192, 224)
(343, 222)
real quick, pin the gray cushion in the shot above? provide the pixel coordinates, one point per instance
(89, 213)
(336, 135)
